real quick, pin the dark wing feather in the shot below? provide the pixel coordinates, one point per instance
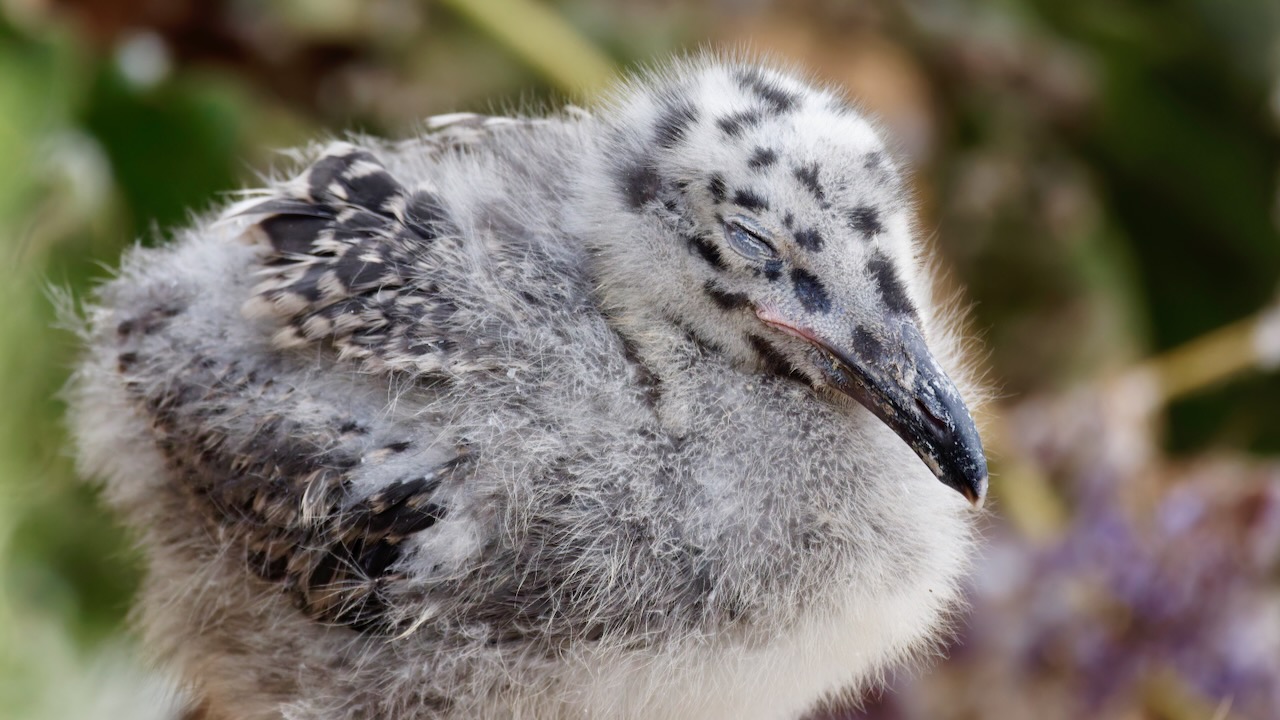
(270, 466)
(276, 459)
(346, 258)
(350, 257)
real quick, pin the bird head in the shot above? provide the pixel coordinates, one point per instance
(765, 217)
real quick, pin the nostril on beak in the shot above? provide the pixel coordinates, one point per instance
(938, 423)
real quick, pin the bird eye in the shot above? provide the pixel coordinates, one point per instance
(747, 239)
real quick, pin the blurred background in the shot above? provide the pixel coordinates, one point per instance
(1101, 176)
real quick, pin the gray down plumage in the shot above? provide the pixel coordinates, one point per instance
(543, 418)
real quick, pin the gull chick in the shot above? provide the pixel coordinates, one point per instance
(643, 412)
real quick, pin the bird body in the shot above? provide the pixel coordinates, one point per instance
(543, 418)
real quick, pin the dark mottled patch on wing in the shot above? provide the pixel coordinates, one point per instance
(777, 98)
(810, 291)
(425, 214)
(362, 268)
(399, 509)
(373, 189)
(762, 158)
(294, 233)
(349, 234)
(269, 467)
(750, 200)
(352, 427)
(148, 322)
(865, 221)
(809, 239)
(351, 277)
(889, 285)
(674, 123)
(723, 299)
(808, 177)
(733, 125)
(355, 177)
(326, 170)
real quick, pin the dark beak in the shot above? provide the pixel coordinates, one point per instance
(895, 376)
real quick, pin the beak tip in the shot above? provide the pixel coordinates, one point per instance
(969, 476)
(977, 497)
(974, 483)
(913, 396)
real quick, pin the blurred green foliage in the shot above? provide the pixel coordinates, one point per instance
(1101, 175)
(1188, 156)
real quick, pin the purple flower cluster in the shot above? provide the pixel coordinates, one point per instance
(1160, 597)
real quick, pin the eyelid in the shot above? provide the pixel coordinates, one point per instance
(752, 229)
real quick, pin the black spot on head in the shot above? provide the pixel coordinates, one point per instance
(749, 200)
(809, 239)
(773, 270)
(762, 158)
(878, 166)
(703, 248)
(716, 187)
(725, 300)
(674, 123)
(865, 221)
(808, 176)
(733, 125)
(868, 347)
(789, 219)
(639, 184)
(890, 287)
(774, 95)
(399, 446)
(809, 291)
